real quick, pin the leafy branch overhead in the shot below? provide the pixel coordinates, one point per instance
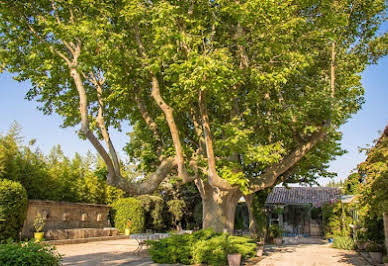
(237, 94)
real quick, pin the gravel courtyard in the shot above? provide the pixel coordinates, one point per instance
(112, 252)
(121, 252)
(310, 255)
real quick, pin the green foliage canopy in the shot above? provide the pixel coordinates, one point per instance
(268, 82)
(13, 209)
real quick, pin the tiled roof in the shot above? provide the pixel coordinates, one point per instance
(303, 195)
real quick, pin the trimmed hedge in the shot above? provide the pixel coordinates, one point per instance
(28, 254)
(202, 247)
(13, 209)
(128, 209)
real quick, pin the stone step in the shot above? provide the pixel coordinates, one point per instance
(83, 240)
(76, 233)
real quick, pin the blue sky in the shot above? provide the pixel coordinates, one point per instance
(359, 131)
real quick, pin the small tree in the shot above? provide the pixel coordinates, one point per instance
(177, 209)
(39, 223)
(374, 190)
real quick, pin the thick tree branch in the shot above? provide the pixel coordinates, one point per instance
(149, 121)
(332, 70)
(168, 112)
(150, 183)
(101, 123)
(214, 179)
(272, 173)
(269, 177)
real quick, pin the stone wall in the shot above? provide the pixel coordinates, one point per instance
(65, 215)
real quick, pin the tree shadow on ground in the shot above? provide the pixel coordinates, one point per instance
(109, 258)
(352, 259)
(288, 248)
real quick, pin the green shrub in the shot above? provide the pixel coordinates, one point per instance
(373, 247)
(174, 249)
(202, 247)
(211, 252)
(243, 245)
(28, 253)
(128, 209)
(343, 242)
(13, 208)
(153, 211)
(274, 231)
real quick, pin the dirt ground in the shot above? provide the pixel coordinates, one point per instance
(121, 252)
(112, 252)
(310, 255)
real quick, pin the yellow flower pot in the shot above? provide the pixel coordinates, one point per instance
(38, 236)
(127, 231)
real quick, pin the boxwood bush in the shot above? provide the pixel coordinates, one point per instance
(128, 209)
(13, 208)
(28, 254)
(343, 242)
(202, 247)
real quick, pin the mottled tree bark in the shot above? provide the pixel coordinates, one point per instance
(385, 217)
(219, 207)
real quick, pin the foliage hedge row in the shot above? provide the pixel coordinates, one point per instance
(28, 254)
(54, 176)
(13, 208)
(343, 242)
(128, 209)
(202, 247)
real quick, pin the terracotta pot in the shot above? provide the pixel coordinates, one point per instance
(377, 257)
(234, 259)
(38, 236)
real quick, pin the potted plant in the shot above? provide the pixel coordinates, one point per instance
(234, 259)
(375, 252)
(39, 224)
(127, 230)
(259, 250)
(275, 233)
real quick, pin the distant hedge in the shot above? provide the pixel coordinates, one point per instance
(128, 209)
(13, 208)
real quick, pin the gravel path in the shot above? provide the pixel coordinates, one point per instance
(310, 255)
(112, 252)
(121, 252)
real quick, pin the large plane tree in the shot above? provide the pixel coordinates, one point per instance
(232, 95)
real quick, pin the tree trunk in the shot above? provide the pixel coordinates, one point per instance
(252, 219)
(219, 208)
(385, 217)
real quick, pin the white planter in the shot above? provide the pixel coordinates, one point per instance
(377, 257)
(234, 259)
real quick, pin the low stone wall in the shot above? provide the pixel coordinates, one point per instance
(65, 215)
